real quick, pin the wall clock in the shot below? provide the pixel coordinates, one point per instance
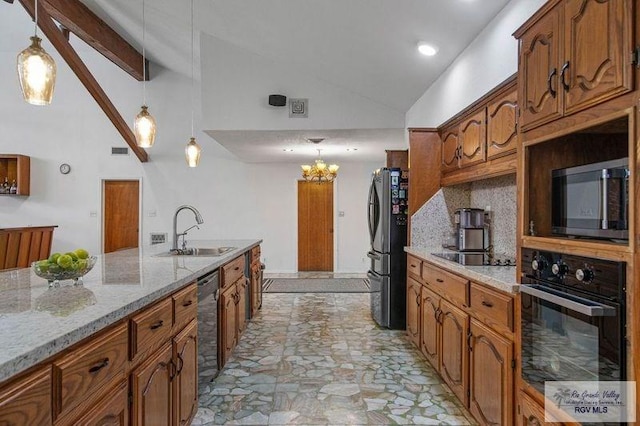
(65, 168)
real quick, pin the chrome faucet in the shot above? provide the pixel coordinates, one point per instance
(199, 220)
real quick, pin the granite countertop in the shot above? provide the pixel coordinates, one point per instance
(500, 277)
(37, 322)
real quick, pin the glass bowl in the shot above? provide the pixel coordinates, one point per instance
(54, 273)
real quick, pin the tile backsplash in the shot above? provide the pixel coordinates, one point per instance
(433, 222)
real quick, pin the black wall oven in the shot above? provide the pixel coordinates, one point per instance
(573, 318)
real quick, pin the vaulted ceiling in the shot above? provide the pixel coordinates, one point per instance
(366, 48)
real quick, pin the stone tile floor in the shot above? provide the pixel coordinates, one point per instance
(319, 359)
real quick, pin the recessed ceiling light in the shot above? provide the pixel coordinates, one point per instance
(288, 149)
(352, 149)
(427, 49)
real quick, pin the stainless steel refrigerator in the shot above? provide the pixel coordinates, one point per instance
(387, 214)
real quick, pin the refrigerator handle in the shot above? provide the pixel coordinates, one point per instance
(374, 256)
(369, 218)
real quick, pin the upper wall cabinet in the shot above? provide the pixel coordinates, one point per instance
(502, 126)
(573, 54)
(473, 139)
(480, 141)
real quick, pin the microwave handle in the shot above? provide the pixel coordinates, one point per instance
(605, 199)
(577, 304)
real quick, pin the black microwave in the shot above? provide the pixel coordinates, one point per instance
(591, 200)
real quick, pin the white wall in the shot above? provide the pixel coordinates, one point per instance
(490, 59)
(237, 84)
(237, 200)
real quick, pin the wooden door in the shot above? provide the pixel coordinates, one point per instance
(454, 354)
(151, 388)
(121, 214)
(27, 401)
(413, 311)
(473, 139)
(429, 332)
(491, 381)
(113, 410)
(185, 384)
(540, 100)
(228, 326)
(450, 150)
(597, 45)
(501, 125)
(315, 226)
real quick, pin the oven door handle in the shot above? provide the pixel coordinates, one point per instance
(569, 301)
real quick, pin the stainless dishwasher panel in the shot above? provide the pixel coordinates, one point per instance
(208, 292)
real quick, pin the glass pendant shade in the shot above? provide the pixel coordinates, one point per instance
(37, 72)
(145, 128)
(192, 152)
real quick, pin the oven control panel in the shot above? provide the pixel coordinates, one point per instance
(590, 275)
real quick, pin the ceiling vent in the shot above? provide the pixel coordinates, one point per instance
(119, 150)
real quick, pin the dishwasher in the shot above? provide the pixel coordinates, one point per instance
(208, 292)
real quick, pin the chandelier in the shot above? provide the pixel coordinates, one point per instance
(320, 171)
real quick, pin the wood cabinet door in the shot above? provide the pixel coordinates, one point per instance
(241, 288)
(454, 355)
(113, 410)
(472, 138)
(185, 384)
(449, 150)
(413, 311)
(27, 401)
(228, 326)
(430, 329)
(501, 125)
(491, 381)
(540, 100)
(597, 45)
(152, 391)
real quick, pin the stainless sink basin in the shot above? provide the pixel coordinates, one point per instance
(198, 251)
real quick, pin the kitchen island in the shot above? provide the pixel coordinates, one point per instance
(38, 323)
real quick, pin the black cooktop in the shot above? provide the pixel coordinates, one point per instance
(477, 259)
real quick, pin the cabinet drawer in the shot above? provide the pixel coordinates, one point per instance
(491, 306)
(185, 305)
(84, 371)
(151, 327)
(414, 266)
(455, 287)
(232, 271)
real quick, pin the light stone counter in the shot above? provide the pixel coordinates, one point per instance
(500, 277)
(37, 322)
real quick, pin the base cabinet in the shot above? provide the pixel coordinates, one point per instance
(151, 389)
(470, 347)
(454, 327)
(491, 375)
(27, 401)
(413, 311)
(241, 301)
(185, 383)
(228, 317)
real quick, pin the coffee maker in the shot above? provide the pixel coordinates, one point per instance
(472, 231)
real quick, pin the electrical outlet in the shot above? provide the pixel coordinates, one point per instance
(158, 238)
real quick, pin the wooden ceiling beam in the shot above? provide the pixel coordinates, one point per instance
(82, 22)
(55, 36)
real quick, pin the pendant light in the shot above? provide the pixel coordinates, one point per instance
(36, 70)
(144, 126)
(193, 150)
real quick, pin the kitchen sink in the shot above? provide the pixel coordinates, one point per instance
(198, 251)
